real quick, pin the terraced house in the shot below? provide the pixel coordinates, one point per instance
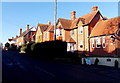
(91, 33)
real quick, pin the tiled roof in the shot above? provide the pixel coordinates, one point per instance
(106, 27)
(43, 27)
(88, 17)
(74, 23)
(70, 40)
(50, 28)
(65, 23)
(71, 24)
(26, 31)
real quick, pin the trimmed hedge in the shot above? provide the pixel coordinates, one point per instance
(48, 50)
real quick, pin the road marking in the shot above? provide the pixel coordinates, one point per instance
(41, 69)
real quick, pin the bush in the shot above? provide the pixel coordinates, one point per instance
(12, 47)
(23, 48)
(33, 46)
(28, 48)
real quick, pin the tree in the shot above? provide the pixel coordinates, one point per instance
(7, 45)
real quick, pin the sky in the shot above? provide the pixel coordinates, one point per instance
(16, 15)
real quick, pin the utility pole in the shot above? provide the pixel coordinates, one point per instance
(55, 17)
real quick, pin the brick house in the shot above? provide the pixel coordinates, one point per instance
(25, 37)
(49, 34)
(82, 28)
(64, 27)
(13, 40)
(76, 31)
(105, 38)
(39, 36)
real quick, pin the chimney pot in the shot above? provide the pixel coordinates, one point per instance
(73, 15)
(16, 36)
(49, 23)
(20, 31)
(28, 27)
(94, 8)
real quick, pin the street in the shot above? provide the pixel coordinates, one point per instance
(21, 68)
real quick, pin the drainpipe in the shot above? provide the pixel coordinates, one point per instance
(77, 40)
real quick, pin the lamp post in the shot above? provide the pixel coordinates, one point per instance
(55, 17)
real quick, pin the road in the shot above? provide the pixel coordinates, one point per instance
(20, 68)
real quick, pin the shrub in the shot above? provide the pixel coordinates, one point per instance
(12, 47)
(33, 46)
(23, 49)
(28, 48)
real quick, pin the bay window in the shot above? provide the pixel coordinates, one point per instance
(93, 45)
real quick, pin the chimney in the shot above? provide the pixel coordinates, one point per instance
(49, 23)
(16, 36)
(12, 37)
(20, 31)
(94, 8)
(28, 27)
(73, 15)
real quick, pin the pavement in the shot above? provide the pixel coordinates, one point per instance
(21, 68)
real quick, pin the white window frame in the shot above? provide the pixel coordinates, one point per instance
(81, 30)
(58, 32)
(46, 35)
(97, 41)
(93, 43)
(103, 42)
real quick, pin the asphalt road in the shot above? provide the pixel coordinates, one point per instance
(20, 68)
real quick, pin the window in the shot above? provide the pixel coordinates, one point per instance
(58, 32)
(93, 45)
(103, 42)
(81, 30)
(97, 18)
(46, 35)
(81, 44)
(97, 42)
(72, 32)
